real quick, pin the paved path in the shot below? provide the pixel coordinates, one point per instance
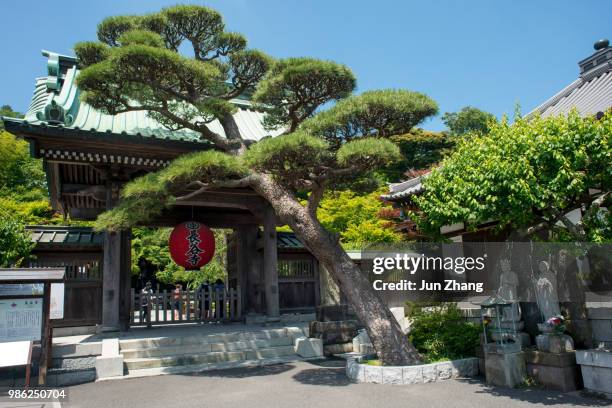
(319, 384)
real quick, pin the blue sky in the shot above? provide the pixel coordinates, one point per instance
(489, 54)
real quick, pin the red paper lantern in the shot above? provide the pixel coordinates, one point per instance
(192, 245)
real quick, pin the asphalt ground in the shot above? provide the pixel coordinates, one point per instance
(313, 384)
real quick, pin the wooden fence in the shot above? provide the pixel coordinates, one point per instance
(162, 307)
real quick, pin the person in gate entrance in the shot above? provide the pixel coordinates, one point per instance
(145, 294)
(204, 295)
(220, 296)
(176, 300)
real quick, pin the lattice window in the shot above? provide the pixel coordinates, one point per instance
(75, 270)
(295, 269)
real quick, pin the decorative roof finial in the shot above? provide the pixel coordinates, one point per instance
(601, 44)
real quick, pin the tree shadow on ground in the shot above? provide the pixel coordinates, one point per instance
(244, 372)
(536, 395)
(332, 372)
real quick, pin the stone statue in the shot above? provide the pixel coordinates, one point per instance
(552, 339)
(508, 289)
(546, 291)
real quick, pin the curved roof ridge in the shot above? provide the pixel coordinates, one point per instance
(56, 102)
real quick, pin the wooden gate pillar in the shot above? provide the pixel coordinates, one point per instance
(111, 282)
(116, 271)
(249, 276)
(270, 264)
(125, 279)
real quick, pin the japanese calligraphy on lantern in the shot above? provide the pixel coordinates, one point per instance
(192, 245)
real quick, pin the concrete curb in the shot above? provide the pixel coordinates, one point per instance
(417, 374)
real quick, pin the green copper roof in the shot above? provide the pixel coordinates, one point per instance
(63, 236)
(288, 240)
(56, 103)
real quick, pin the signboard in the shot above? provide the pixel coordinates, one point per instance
(20, 319)
(21, 289)
(57, 301)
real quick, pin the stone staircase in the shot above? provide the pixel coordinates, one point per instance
(153, 356)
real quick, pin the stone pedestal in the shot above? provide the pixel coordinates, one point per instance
(333, 332)
(555, 371)
(505, 369)
(308, 348)
(336, 336)
(596, 367)
(362, 343)
(510, 331)
(110, 363)
(334, 313)
(521, 338)
(555, 343)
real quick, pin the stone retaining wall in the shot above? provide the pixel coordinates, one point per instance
(417, 374)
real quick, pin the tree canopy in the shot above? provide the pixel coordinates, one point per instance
(468, 119)
(6, 110)
(23, 199)
(527, 175)
(357, 218)
(329, 136)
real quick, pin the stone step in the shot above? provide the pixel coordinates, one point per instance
(199, 368)
(201, 348)
(231, 337)
(206, 358)
(73, 363)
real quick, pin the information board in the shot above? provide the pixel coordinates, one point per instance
(57, 301)
(20, 319)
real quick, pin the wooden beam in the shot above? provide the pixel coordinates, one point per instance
(79, 213)
(211, 219)
(224, 200)
(97, 192)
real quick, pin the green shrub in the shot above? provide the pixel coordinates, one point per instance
(440, 332)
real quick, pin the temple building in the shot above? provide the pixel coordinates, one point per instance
(88, 156)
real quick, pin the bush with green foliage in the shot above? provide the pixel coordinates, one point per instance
(15, 242)
(440, 332)
(527, 176)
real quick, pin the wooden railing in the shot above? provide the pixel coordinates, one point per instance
(162, 307)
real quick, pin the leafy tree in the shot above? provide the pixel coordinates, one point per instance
(6, 110)
(468, 119)
(137, 65)
(21, 176)
(356, 218)
(527, 176)
(23, 198)
(420, 149)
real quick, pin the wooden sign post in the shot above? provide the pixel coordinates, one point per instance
(25, 301)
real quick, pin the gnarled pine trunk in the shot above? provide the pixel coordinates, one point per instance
(392, 346)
